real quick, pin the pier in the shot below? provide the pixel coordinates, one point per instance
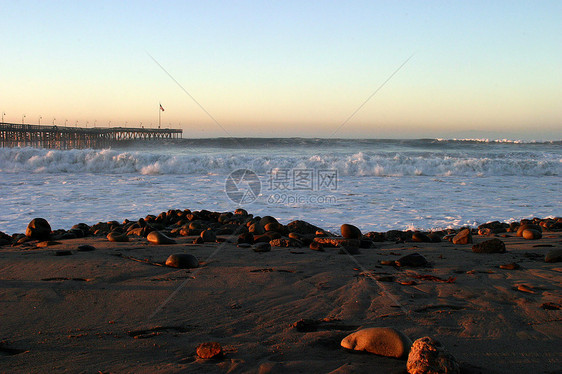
(62, 137)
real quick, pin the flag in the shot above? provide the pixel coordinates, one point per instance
(162, 109)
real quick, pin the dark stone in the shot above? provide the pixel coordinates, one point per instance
(208, 236)
(182, 261)
(302, 227)
(38, 229)
(489, 246)
(262, 247)
(350, 232)
(86, 248)
(420, 237)
(306, 325)
(412, 260)
(246, 238)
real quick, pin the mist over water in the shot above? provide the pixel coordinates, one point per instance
(381, 184)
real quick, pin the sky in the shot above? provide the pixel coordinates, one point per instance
(358, 69)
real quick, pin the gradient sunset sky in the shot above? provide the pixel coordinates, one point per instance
(486, 69)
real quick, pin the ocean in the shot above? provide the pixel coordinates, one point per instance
(376, 185)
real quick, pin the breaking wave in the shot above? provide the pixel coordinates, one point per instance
(361, 163)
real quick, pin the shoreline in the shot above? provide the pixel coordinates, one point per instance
(275, 306)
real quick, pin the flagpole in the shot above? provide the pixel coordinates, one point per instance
(159, 114)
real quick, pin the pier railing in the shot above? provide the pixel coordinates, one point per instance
(62, 137)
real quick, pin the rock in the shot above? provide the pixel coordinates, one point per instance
(554, 255)
(241, 212)
(245, 238)
(262, 247)
(527, 227)
(489, 246)
(117, 237)
(412, 260)
(198, 240)
(420, 237)
(267, 219)
(382, 341)
(182, 261)
(209, 350)
(550, 306)
(463, 237)
(302, 227)
(274, 226)
(38, 229)
(316, 246)
(531, 234)
(350, 231)
(208, 236)
(306, 325)
(375, 236)
(428, 356)
(434, 237)
(156, 237)
(256, 229)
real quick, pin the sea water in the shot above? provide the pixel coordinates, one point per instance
(377, 185)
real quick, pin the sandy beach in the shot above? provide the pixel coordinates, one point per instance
(116, 308)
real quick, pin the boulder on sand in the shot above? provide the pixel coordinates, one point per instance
(383, 341)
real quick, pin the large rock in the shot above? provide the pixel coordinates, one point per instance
(38, 229)
(531, 234)
(350, 232)
(489, 246)
(383, 341)
(182, 261)
(428, 356)
(463, 237)
(302, 227)
(156, 237)
(529, 226)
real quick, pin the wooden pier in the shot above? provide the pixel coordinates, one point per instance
(62, 137)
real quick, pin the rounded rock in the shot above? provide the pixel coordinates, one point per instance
(528, 226)
(39, 229)
(182, 261)
(350, 232)
(531, 234)
(208, 236)
(382, 341)
(117, 237)
(156, 237)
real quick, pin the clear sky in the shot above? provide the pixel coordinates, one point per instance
(288, 68)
